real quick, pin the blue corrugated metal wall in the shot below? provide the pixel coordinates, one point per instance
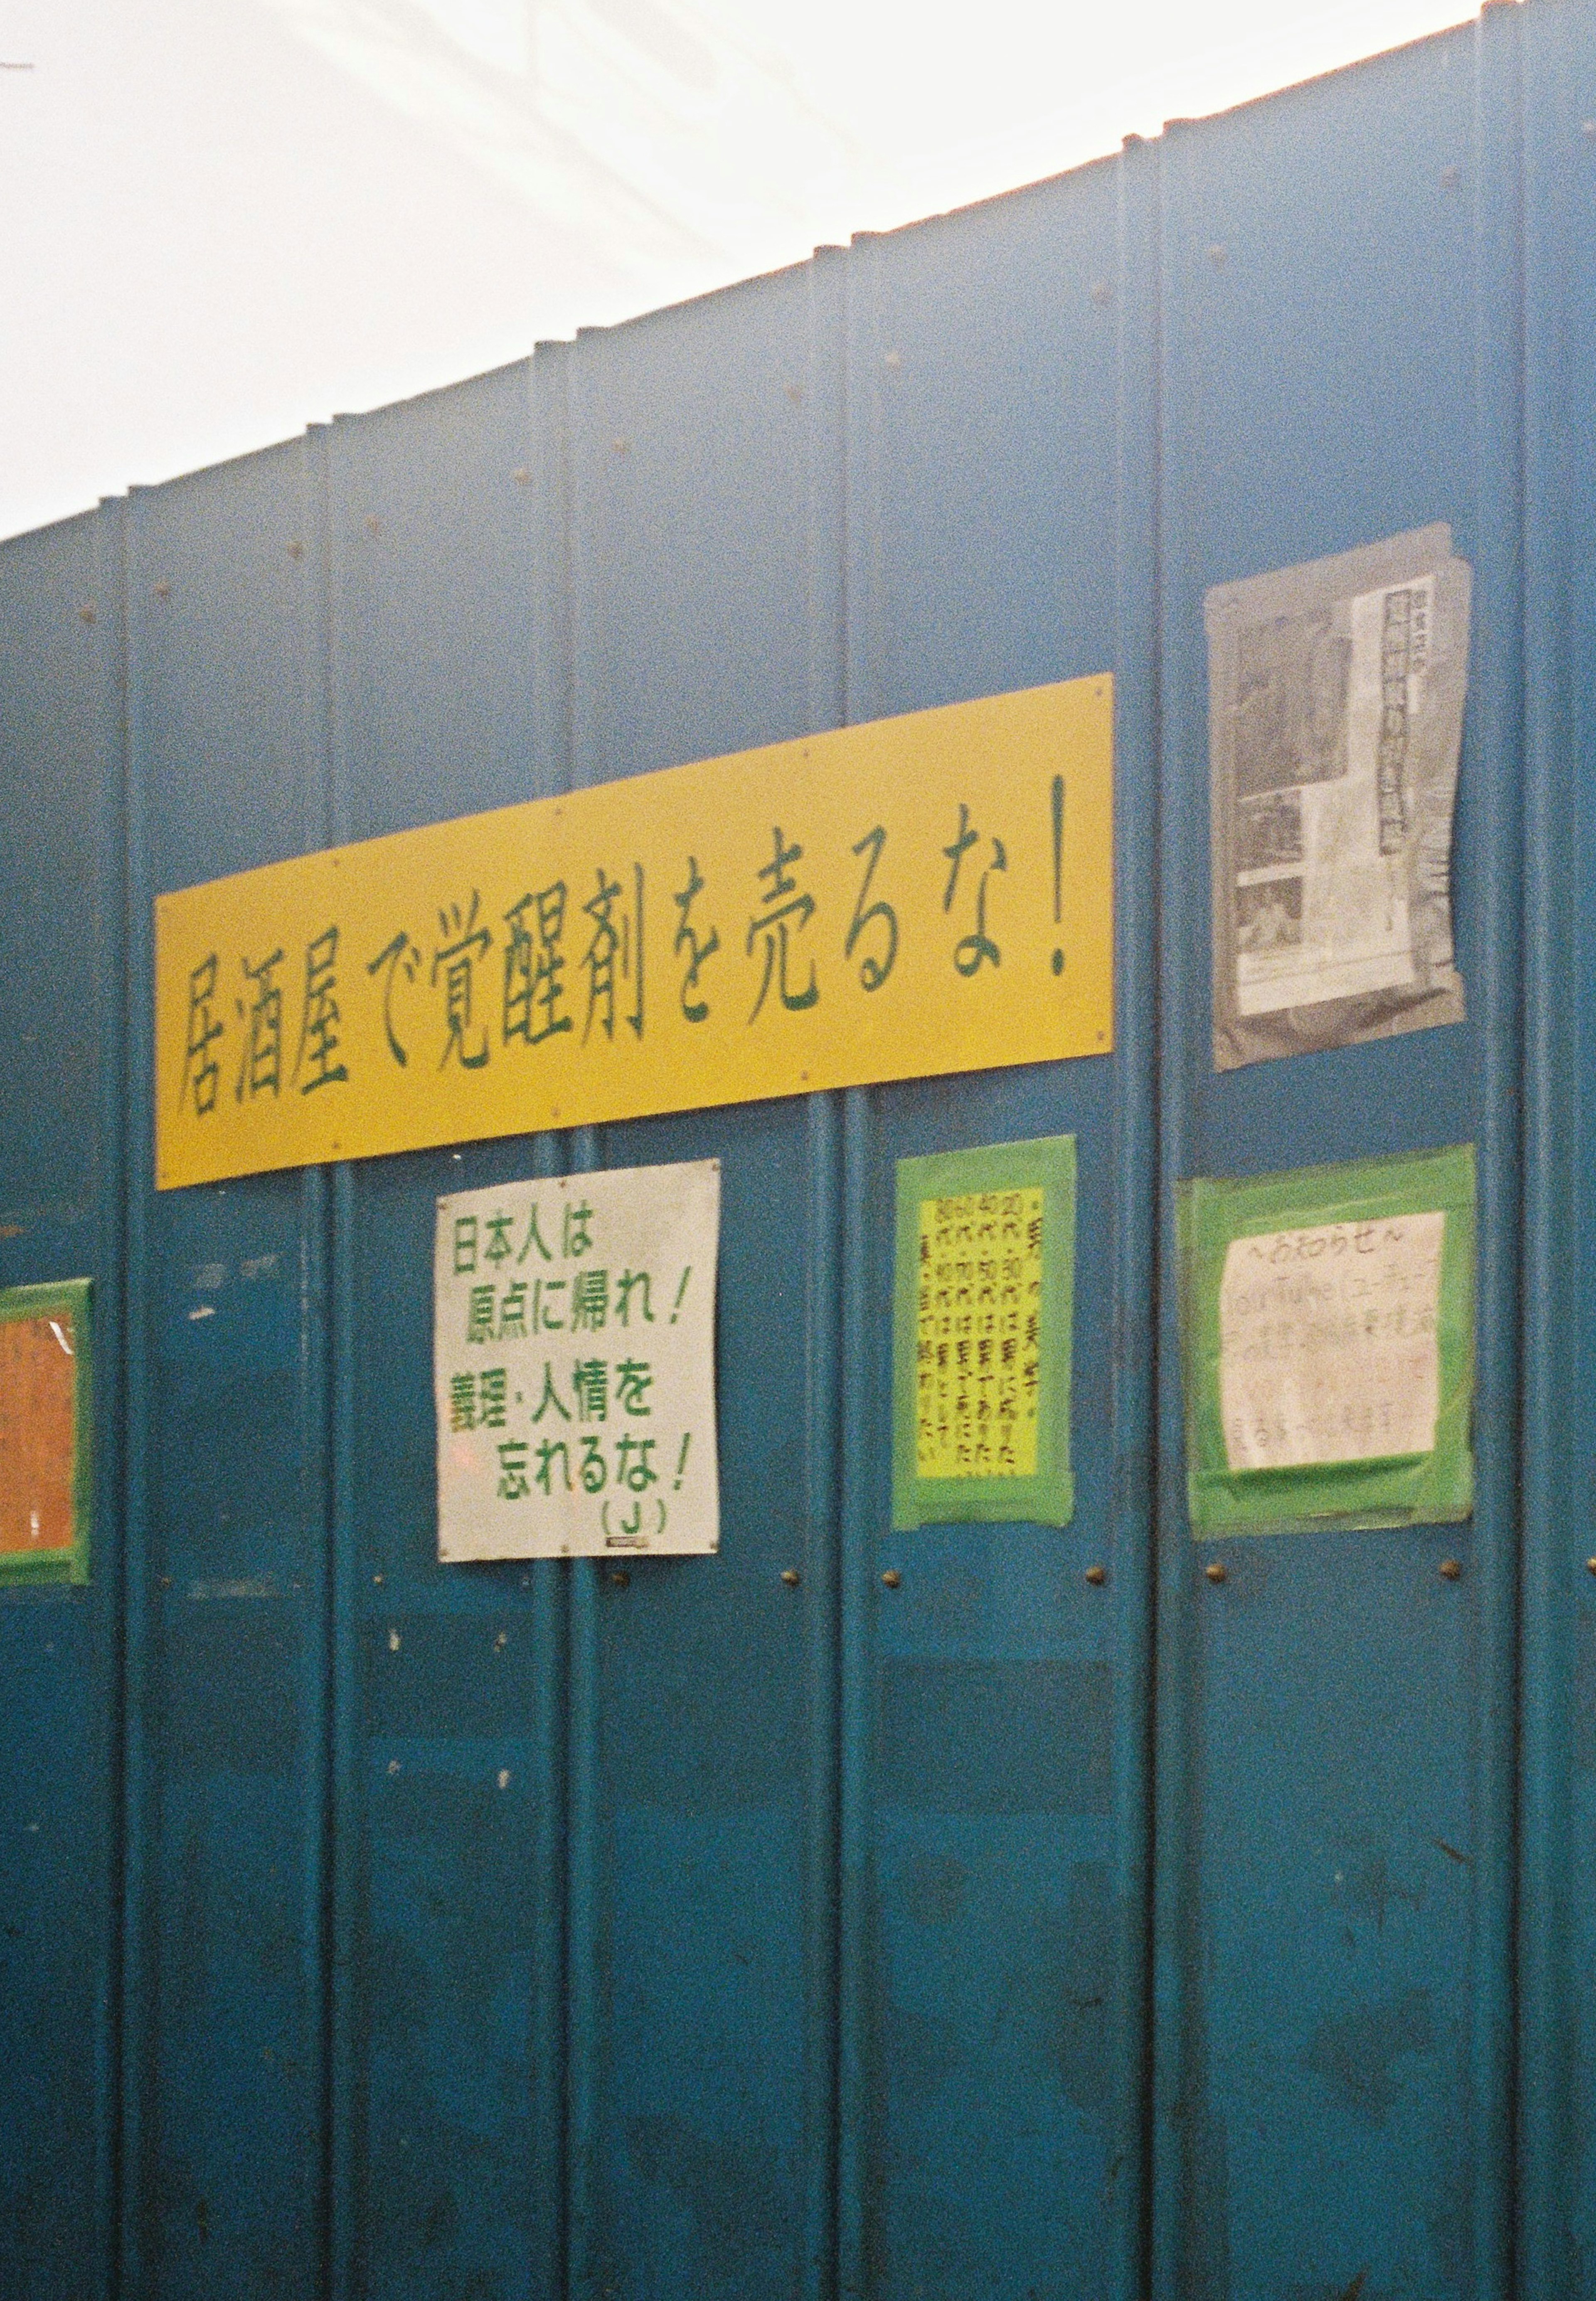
(1335, 1727)
(374, 1929)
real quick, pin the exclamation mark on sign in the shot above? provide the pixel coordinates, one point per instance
(680, 1290)
(1057, 868)
(682, 1462)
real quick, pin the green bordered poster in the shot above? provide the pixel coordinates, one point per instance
(1328, 1342)
(985, 1279)
(45, 1428)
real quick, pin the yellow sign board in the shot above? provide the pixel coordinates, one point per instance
(902, 899)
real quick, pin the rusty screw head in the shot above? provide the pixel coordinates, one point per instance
(892, 1577)
(1590, 1566)
(1214, 1571)
(791, 1576)
(621, 1579)
(1096, 1576)
(1450, 1569)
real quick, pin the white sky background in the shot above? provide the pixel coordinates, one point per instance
(220, 220)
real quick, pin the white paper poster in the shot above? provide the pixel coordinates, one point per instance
(1327, 1343)
(574, 1366)
(1336, 692)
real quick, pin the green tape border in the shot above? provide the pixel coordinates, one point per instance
(1048, 1497)
(1433, 1489)
(71, 1296)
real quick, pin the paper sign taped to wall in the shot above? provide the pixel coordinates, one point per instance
(1335, 700)
(1328, 1350)
(44, 1469)
(574, 1366)
(1327, 1343)
(982, 1335)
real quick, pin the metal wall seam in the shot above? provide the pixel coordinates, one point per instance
(318, 1410)
(828, 282)
(861, 701)
(111, 1327)
(1181, 833)
(583, 2139)
(548, 476)
(572, 1585)
(344, 2249)
(139, 983)
(1135, 1171)
(1552, 1422)
(853, 1834)
(1497, 684)
(343, 1915)
(341, 2246)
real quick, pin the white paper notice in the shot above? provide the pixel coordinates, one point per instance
(1327, 1343)
(574, 1366)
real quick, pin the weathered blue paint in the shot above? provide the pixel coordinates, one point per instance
(62, 1145)
(993, 1751)
(1557, 2050)
(446, 2152)
(1335, 1722)
(226, 1342)
(513, 1931)
(704, 460)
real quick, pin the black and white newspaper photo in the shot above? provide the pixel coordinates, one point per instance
(1335, 712)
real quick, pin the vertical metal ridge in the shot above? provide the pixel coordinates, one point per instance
(1549, 1410)
(583, 1915)
(343, 2091)
(111, 1329)
(1135, 1174)
(550, 477)
(863, 669)
(327, 1415)
(135, 1979)
(559, 764)
(1498, 703)
(827, 597)
(857, 1623)
(861, 693)
(1181, 801)
(549, 473)
(346, 1788)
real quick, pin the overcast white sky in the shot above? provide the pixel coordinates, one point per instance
(224, 219)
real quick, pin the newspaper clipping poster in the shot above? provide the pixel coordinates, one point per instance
(1336, 693)
(573, 1364)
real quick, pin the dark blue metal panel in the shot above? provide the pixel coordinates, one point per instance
(61, 1149)
(1334, 1740)
(227, 1543)
(1557, 1936)
(446, 2049)
(706, 569)
(995, 1726)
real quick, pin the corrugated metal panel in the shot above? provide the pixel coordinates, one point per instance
(1557, 1939)
(227, 1531)
(705, 458)
(1335, 1721)
(995, 1702)
(61, 1185)
(447, 1760)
